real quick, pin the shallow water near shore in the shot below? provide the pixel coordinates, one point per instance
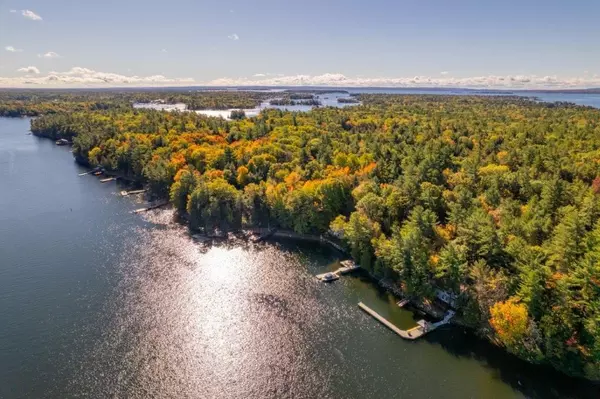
(98, 302)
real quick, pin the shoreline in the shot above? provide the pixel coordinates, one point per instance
(386, 284)
(383, 283)
(292, 235)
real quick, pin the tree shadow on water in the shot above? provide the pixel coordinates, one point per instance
(533, 381)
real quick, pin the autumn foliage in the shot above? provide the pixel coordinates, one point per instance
(494, 199)
(509, 320)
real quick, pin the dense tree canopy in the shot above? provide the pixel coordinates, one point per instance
(492, 198)
(20, 102)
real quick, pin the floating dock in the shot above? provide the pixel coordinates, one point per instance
(89, 172)
(328, 277)
(149, 208)
(403, 303)
(126, 193)
(347, 267)
(107, 179)
(411, 334)
(422, 328)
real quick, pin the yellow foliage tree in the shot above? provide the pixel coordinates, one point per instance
(510, 320)
(242, 175)
(493, 169)
(94, 155)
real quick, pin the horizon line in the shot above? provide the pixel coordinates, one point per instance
(335, 87)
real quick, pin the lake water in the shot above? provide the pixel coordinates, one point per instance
(98, 302)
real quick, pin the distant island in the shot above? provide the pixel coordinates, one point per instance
(348, 100)
(289, 101)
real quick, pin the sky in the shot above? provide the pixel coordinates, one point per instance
(422, 43)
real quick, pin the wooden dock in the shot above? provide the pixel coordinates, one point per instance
(126, 193)
(347, 267)
(322, 277)
(62, 142)
(107, 179)
(411, 334)
(149, 208)
(403, 303)
(89, 172)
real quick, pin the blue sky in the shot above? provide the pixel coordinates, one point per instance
(467, 43)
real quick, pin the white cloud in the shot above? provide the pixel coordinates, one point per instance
(484, 81)
(31, 15)
(85, 77)
(49, 54)
(444, 73)
(29, 69)
(163, 50)
(233, 36)
(13, 11)
(12, 49)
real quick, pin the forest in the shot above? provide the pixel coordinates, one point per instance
(494, 199)
(19, 102)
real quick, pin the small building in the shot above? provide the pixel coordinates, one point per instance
(447, 297)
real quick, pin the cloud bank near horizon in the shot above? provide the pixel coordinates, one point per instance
(482, 82)
(85, 77)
